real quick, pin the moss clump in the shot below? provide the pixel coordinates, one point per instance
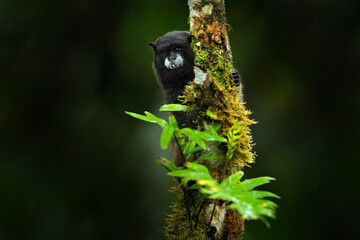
(215, 61)
(230, 112)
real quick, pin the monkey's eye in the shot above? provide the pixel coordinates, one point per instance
(178, 49)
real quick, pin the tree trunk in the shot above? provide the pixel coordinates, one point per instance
(215, 94)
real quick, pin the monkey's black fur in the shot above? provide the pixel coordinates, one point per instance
(174, 78)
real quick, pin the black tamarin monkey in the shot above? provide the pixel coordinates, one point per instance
(174, 68)
(173, 63)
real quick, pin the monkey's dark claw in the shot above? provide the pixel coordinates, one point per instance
(236, 77)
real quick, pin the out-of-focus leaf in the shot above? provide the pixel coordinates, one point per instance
(173, 107)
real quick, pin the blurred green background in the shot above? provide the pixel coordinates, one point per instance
(74, 166)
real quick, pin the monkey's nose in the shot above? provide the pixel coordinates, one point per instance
(172, 57)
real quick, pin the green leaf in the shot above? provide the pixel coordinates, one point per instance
(193, 135)
(211, 115)
(210, 137)
(209, 155)
(166, 136)
(188, 148)
(168, 164)
(148, 118)
(180, 138)
(213, 129)
(217, 126)
(138, 116)
(253, 208)
(173, 107)
(194, 172)
(265, 221)
(262, 194)
(198, 148)
(155, 119)
(249, 184)
(173, 122)
(208, 158)
(232, 179)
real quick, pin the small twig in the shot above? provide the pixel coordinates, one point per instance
(182, 187)
(213, 211)
(177, 143)
(199, 212)
(183, 158)
(187, 206)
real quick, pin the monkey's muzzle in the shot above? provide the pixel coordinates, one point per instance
(173, 61)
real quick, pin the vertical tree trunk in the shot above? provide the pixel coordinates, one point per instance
(213, 92)
(209, 27)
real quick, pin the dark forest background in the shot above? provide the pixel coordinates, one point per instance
(74, 166)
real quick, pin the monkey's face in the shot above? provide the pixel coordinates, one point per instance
(174, 56)
(174, 59)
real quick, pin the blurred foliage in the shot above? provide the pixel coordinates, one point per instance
(68, 152)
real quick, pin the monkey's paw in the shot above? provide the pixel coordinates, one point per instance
(236, 77)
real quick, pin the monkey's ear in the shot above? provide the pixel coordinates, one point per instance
(189, 38)
(153, 45)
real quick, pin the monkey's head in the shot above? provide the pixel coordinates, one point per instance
(174, 58)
